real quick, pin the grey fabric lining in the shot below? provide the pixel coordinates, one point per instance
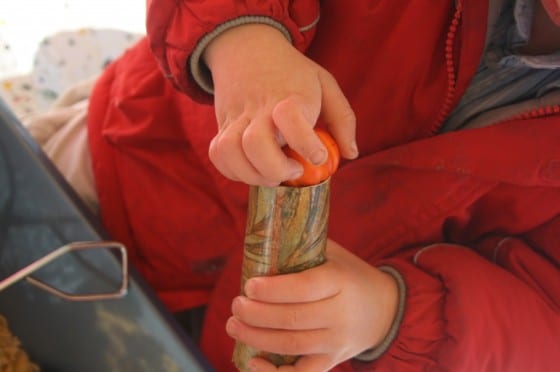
(374, 353)
(507, 112)
(200, 71)
(504, 77)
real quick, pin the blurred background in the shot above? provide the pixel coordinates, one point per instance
(25, 23)
(48, 45)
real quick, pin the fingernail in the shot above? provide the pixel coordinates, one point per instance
(354, 149)
(318, 156)
(237, 301)
(296, 170)
(231, 327)
(250, 288)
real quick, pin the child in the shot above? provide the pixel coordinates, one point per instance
(444, 251)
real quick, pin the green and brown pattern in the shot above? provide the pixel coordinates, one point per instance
(286, 232)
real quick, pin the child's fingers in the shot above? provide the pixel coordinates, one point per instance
(300, 316)
(262, 150)
(280, 341)
(246, 150)
(310, 285)
(295, 119)
(228, 157)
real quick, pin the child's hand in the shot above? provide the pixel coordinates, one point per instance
(326, 314)
(268, 94)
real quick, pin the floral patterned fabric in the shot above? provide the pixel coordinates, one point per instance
(61, 61)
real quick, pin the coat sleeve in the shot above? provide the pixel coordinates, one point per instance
(180, 30)
(475, 242)
(494, 307)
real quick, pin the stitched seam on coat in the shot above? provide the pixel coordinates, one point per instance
(374, 353)
(428, 247)
(196, 66)
(496, 251)
(311, 25)
(427, 214)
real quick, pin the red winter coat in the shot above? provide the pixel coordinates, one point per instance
(470, 219)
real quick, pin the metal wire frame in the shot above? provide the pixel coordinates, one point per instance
(25, 272)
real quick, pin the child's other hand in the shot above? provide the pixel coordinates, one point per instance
(326, 314)
(268, 94)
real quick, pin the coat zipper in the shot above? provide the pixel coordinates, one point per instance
(452, 81)
(534, 113)
(450, 66)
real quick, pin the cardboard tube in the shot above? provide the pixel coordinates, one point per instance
(286, 232)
